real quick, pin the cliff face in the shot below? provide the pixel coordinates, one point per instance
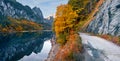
(38, 13)
(16, 10)
(107, 20)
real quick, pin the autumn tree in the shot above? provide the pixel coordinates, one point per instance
(19, 28)
(0, 27)
(85, 5)
(64, 22)
(84, 9)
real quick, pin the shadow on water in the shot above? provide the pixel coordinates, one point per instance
(15, 46)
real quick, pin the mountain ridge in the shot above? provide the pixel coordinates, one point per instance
(15, 9)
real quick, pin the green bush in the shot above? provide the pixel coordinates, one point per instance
(62, 38)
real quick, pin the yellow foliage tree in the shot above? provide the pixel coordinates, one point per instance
(19, 28)
(65, 20)
(4, 30)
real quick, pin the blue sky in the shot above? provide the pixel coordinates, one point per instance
(48, 7)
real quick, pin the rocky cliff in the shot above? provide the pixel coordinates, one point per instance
(107, 20)
(14, 9)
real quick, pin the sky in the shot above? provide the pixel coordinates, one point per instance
(48, 7)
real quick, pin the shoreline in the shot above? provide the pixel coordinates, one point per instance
(25, 31)
(60, 53)
(54, 50)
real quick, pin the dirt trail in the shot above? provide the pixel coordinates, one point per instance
(91, 16)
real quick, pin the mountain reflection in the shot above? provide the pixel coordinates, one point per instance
(14, 46)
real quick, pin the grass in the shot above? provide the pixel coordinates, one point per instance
(114, 39)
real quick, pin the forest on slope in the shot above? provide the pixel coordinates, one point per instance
(68, 22)
(10, 25)
(72, 18)
(17, 17)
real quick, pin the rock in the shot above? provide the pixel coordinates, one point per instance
(14, 9)
(38, 13)
(107, 20)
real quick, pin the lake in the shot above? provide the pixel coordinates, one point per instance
(25, 46)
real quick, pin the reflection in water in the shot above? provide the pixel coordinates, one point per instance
(15, 46)
(40, 56)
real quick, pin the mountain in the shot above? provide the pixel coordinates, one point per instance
(14, 9)
(49, 20)
(38, 13)
(107, 19)
(16, 17)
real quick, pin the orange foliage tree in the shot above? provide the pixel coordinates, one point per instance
(64, 21)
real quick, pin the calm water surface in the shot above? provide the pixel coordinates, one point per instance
(28, 46)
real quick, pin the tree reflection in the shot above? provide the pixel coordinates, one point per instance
(14, 46)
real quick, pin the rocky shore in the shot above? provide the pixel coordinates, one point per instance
(53, 51)
(69, 52)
